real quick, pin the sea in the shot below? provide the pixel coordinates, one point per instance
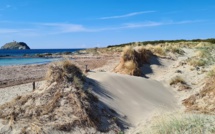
(18, 57)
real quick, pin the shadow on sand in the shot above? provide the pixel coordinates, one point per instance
(98, 90)
(146, 68)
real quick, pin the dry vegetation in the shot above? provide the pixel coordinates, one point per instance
(176, 80)
(157, 50)
(204, 101)
(196, 62)
(131, 60)
(181, 124)
(61, 105)
(211, 73)
(180, 83)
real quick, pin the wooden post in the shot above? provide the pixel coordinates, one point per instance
(86, 69)
(33, 85)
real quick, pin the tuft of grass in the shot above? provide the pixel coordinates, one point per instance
(177, 50)
(78, 82)
(182, 124)
(143, 54)
(174, 49)
(211, 73)
(204, 100)
(132, 68)
(202, 45)
(176, 80)
(128, 53)
(197, 62)
(63, 71)
(159, 50)
(132, 59)
(130, 65)
(202, 53)
(156, 49)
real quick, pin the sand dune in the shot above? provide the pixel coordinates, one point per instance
(135, 98)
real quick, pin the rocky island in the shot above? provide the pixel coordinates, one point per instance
(15, 45)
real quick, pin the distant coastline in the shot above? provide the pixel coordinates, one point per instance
(35, 52)
(32, 56)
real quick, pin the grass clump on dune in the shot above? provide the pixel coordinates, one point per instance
(174, 49)
(64, 71)
(62, 104)
(159, 50)
(202, 53)
(131, 60)
(176, 80)
(180, 83)
(204, 100)
(211, 73)
(197, 62)
(182, 124)
(156, 49)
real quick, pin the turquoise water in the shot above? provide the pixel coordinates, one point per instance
(25, 61)
(16, 57)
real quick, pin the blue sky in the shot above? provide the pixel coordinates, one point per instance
(98, 23)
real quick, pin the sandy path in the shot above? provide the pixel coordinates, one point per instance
(134, 97)
(8, 93)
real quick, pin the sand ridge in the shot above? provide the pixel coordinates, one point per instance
(134, 97)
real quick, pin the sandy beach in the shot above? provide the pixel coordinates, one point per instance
(21, 74)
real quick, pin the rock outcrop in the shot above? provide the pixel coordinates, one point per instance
(15, 45)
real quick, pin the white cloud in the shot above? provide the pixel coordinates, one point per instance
(126, 15)
(5, 31)
(40, 29)
(188, 21)
(143, 24)
(64, 27)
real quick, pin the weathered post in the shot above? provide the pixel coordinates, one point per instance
(33, 85)
(86, 70)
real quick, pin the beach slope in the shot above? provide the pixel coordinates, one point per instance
(135, 98)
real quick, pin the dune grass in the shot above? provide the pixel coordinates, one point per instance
(211, 73)
(132, 59)
(176, 80)
(176, 49)
(204, 100)
(182, 124)
(155, 49)
(62, 104)
(202, 53)
(197, 62)
(63, 71)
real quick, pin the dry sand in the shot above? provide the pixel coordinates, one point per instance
(135, 98)
(8, 93)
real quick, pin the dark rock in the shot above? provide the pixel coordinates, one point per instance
(178, 71)
(15, 45)
(197, 68)
(4, 55)
(66, 53)
(47, 54)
